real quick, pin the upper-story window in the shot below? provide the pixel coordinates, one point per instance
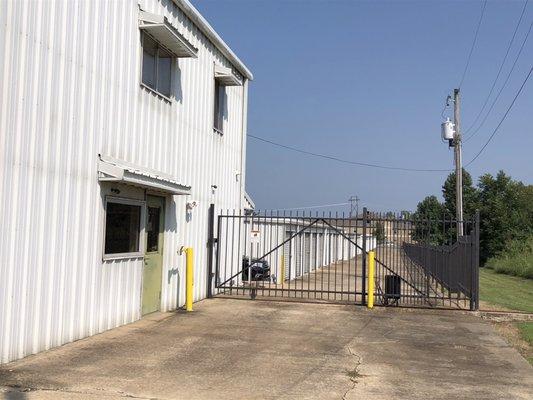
(161, 42)
(223, 77)
(220, 102)
(156, 66)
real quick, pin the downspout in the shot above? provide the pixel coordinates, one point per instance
(242, 172)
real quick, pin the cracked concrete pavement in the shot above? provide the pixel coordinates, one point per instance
(240, 349)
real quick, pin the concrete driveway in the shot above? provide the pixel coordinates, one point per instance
(241, 349)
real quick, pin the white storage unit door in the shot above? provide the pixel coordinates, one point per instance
(334, 248)
(307, 252)
(298, 255)
(320, 250)
(314, 239)
(287, 256)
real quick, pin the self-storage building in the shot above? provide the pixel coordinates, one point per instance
(120, 124)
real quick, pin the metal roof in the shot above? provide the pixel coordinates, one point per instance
(113, 170)
(248, 199)
(204, 26)
(161, 30)
(226, 77)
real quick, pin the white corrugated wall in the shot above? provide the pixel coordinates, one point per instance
(69, 86)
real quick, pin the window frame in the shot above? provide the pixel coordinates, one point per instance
(132, 202)
(144, 85)
(220, 108)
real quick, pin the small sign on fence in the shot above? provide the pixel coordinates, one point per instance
(255, 236)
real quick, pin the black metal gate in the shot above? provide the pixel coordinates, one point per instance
(304, 256)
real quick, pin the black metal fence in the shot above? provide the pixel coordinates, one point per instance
(454, 268)
(419, 261)
(290, 255)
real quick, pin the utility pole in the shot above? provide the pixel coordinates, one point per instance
(458, 163)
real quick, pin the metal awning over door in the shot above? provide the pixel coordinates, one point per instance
(113, 170)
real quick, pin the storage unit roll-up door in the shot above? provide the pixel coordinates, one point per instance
(320, 249)
(298, 255)
(307, 252)
(313, 251)
(287, 256)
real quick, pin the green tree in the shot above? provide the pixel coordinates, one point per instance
(427, 221)
(405, 214)
(470, 195)
(506, 210)
(379, 232)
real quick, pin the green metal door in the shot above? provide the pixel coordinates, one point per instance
(153, 259)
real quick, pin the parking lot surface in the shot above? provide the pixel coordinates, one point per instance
(242, 349)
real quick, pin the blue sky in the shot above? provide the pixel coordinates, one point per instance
(366, 81)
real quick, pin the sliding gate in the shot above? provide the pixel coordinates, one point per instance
(419, 262)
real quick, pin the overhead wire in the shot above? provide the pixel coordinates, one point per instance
(503, 86)
(387, 167)
(502, 119)
(473, 43)
(338, 159)
(310, 207)
(500, 69)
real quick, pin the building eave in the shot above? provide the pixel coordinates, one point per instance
(204, 26)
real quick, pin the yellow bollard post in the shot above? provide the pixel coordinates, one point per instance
(189, 281)
(371, 269)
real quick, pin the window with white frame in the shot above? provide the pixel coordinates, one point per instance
(123, 227)
(220, 100)
(156, 66)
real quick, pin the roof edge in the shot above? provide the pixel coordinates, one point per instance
(248, 198)
(191, 12)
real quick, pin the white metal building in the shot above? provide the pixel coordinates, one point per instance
(120, 123)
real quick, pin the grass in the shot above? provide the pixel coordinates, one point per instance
(516, 260)
(526, 332)
(513, 293)
(508, 291)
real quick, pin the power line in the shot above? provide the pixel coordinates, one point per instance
(446, 105)
(503, 86)
(500, 69)
(309, 207)
(501, 121)
(473, 43)
(333, 158)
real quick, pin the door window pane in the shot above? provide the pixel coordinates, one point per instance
(123, 227)
(149, 62)
(152, 229)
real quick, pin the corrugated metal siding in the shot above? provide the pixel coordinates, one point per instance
(69, 84)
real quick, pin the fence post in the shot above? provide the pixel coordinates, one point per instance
(217, 251)
(210, 248)
(364, 258)
(474, 300)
